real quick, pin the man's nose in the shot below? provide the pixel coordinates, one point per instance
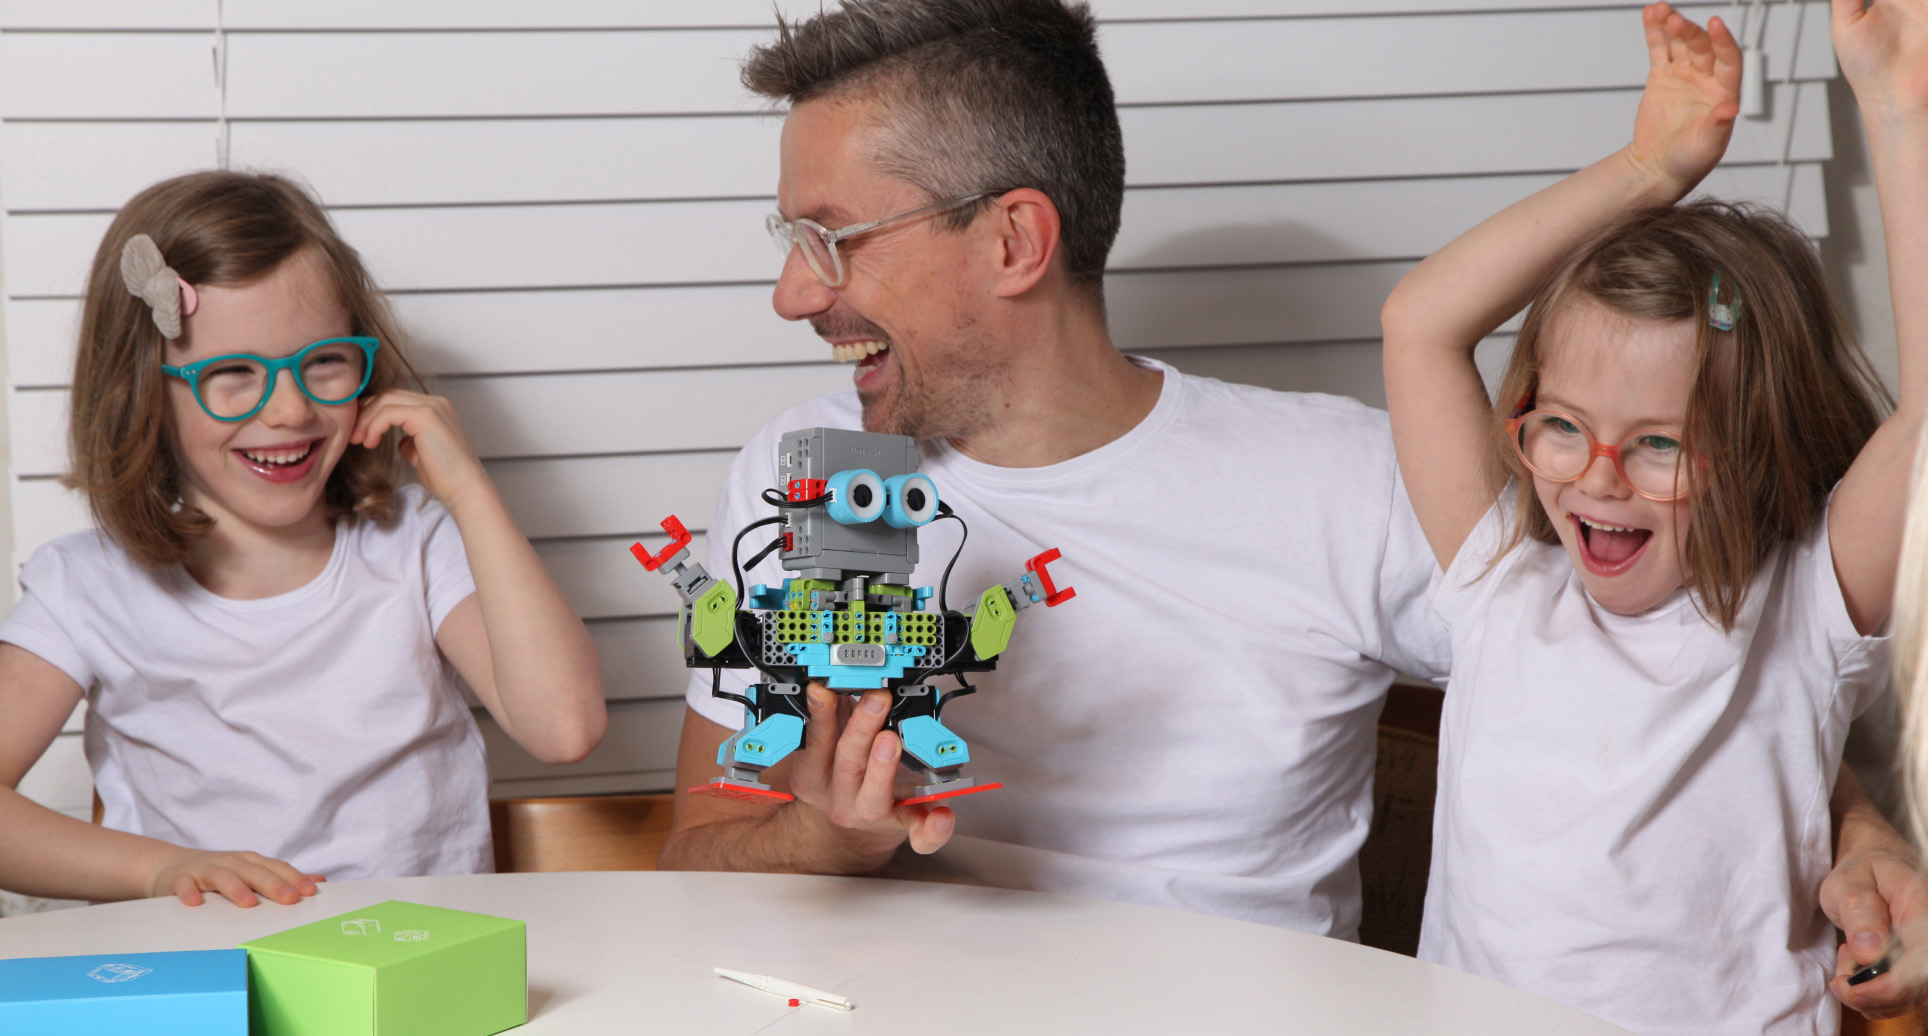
(799, 294)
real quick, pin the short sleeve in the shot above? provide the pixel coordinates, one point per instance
(1416, 640)
(34, 623)
(1452, 588)
(1816, 603)
(445, 564)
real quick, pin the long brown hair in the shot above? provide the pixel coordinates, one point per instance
(1779, 407)
(214, 228)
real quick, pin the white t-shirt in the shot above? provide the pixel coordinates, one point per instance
(1196, 728)
(1633, 810)
(321, 726)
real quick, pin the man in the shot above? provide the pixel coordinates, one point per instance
(1197, 728)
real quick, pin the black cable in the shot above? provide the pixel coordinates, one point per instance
(738, 569)
(944, 585)
(937, 707)
(717, 691)
(765, 552)
(775, 498)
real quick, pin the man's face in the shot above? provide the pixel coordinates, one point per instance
(911, 311)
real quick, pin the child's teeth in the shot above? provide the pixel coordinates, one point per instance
(1604, 525)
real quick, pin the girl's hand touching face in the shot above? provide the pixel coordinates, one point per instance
(1692, 97)
(432, 441)
(240, 876)
(1884, 53)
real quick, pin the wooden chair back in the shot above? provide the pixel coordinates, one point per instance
(586, 833)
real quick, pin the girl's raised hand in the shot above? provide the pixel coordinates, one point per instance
(242, 877)
(432, 441)
(1884, 53)
(1692, 97)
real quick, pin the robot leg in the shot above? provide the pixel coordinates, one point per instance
(933, 750)
(771, 730)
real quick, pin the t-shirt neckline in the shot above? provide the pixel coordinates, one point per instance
(1170, 397)
(337, 557)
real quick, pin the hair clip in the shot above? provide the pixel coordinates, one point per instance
(1722, 317)
(149, 278)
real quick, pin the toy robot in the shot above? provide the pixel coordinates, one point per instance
(848, 517)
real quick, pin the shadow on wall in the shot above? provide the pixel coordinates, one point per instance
(1271, 304)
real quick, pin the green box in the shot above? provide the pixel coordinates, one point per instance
(392, 969)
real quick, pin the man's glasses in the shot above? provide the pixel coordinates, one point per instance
(1554, 445)
(820, 246)
(235, 387)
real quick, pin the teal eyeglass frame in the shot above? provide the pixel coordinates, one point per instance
(191, 373)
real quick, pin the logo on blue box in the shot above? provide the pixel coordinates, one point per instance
(118, 972)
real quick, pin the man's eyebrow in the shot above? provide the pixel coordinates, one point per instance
(830, 216)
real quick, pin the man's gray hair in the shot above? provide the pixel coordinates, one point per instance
(977, 95)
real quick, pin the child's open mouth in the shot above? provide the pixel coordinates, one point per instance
(1608, 549)
(281, 463)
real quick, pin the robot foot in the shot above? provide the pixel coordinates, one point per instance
(724, 788)
(948, 790)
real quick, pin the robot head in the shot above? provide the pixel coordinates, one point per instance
(877, 502)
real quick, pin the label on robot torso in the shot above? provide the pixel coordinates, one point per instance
(858, 654)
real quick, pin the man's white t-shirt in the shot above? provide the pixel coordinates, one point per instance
(1633, 810)
(1196, 728)
(321, 726)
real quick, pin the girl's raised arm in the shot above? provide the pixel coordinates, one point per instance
(1441, 416)
(1884, 53)
(516, 640)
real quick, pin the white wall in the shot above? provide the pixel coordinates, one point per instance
(566, 200)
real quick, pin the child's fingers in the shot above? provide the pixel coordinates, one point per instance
(1727, 50)
(187, 889)
(1653, 19)
(1692, 44)
(1844, 13)
(230, 884)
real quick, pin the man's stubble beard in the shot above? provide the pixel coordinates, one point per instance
(951, 396)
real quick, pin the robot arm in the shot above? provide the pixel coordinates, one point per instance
(710, 602)
(995, 611)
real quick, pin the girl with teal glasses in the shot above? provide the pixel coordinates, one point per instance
(270, 633)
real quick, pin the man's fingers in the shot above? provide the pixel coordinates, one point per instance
(854, 747)
(930, 831)
(810, 767)
(877, 796)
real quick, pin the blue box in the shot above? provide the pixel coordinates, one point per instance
(194, 993)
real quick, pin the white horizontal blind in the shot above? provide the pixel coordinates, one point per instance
(566, 201)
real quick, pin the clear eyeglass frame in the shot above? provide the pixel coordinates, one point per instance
(819, 244)
(192, 374)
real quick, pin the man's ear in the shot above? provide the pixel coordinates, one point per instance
(1027, 229)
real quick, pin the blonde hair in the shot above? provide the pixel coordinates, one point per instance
(1779, 407)
(214, 228)
(1910, 636)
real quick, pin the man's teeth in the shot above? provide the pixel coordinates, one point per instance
(851, 352)
(288, 456)
(1604, 525)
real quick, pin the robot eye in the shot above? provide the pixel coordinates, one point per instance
(912, 501)
(856, 496)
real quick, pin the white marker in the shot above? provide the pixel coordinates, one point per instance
(801, 994)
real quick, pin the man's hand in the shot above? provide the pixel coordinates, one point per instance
(1692, 97)
(848, 768)
(1871, 897)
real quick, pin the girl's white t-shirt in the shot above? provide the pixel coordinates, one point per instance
(321, 726)
(1633, 810)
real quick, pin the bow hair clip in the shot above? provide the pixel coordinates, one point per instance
(154, 282)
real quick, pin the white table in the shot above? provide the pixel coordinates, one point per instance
(631, 952)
